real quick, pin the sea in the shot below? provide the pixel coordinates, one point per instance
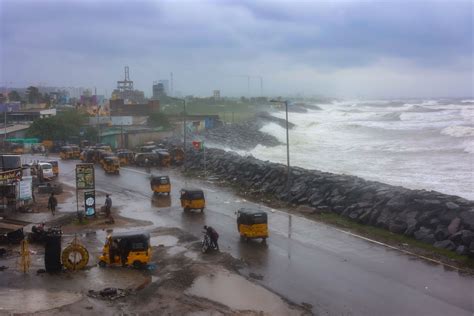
(417, 144)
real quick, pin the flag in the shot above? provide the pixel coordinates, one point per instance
(198, 145)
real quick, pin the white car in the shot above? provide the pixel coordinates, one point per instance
(46, 169)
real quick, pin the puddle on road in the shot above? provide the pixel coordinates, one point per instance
(34, 300)
(119, 277)
(238, 293)
(191, 255)
(176, 250)
(167, 241)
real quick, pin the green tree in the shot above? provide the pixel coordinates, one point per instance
(63, 126)
(34, 96)
(158, 120)
(14, 96)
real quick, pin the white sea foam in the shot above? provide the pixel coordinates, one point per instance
(459, 131)
(420, 144)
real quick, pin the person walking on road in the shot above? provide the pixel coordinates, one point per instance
(52, 203)
(108, 207)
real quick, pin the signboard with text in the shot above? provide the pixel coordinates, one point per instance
(10, 175)
(85, 177)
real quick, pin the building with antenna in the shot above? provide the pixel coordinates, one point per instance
(126, 92)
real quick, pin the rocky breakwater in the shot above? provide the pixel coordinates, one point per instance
(442, 220)
(247, 134)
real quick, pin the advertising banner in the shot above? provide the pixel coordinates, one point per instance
(89, 203)
(26, 189)
(85, 178)
(10, 175)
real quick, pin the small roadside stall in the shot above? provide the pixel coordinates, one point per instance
(10, 190)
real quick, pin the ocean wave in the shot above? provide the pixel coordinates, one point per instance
(421, 109)
(393, 116)
(458, 131)
(351, 111)
(468, 146)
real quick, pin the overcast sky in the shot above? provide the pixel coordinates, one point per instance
(333, 48)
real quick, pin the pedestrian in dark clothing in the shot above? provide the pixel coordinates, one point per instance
(108, 205)
(52, 203)
(213, 235)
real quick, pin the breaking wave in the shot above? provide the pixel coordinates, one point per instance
(421, 109)
(458, 131)
(394, 116)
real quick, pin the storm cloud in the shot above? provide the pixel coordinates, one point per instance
(334, 48)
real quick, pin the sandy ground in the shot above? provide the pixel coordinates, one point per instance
(180, 280)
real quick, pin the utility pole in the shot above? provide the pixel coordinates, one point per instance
(288, 174)
(171, 85)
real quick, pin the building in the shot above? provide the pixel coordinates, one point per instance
(132, 136)
(217, 94)
(13, 131)
(126, 92)
(158, 91)
(166, 85)
(120, 108)
(29, 115)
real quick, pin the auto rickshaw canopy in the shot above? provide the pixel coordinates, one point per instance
(160, 180)
(137, 241)
(110, 158)
(249, 216)
(192, 194)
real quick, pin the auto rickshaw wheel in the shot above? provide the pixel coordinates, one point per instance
(185, 209)
(202, 209)
(102, 264)
(264, 240)
(138, 264)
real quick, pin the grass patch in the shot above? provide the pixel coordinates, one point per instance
(393, 239)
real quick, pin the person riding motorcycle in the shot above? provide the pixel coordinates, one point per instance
(213, 235)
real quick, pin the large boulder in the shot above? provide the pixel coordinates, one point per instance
(445, 244)
(397, 226)
(454, 225)
(425, 234)
(467, 218)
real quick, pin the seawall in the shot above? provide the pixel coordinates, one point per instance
(444, 221)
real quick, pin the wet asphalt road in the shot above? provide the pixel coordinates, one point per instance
(304, 261)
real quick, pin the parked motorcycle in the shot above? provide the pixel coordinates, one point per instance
(206, 243)
(39, 233)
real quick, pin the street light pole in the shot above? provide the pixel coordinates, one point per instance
(184, 128)
(287, 147)
(184, 134)
(288, 170)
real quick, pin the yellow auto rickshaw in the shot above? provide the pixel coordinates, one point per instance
(125, 157)
(192, 199)
(66, 152)
(76, 152)
(164, 158)
(111, 165)
(126, 249)
(160, 184)
(102, 154)
(252, 223)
